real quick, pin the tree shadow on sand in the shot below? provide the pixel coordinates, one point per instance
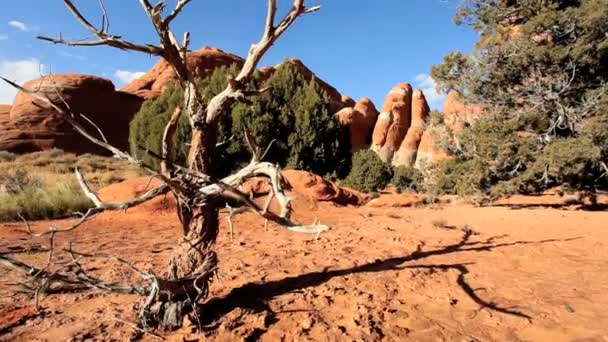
(253, 296)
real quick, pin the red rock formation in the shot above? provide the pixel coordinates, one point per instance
(401, 114)
(360, 120)
(402, 92)
(428, 151)
(366, 106)
(420, 109)
(393, 121)
(385, 119)
(347, 101)
(408, 150)
(202, 62)
(406, 154)
(457, 114)
(34, 127)
(310, 185)
(356, 122)
(4, 112)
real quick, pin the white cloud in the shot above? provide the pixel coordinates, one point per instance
(428, 86)
(125, 76)
(3, 37)
(17, 71)
(18, 25)
(71, 55)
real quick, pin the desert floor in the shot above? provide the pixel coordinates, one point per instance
(445, 273)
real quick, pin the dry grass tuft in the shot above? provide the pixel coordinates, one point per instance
(42, 185)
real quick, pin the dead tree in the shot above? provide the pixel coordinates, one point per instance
(199, 194)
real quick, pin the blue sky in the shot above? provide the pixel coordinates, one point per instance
(361, 47)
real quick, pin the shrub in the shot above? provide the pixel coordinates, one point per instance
(15, 181)
(42, 185)
(33, 202)
(368, 173)
(294, 112)
(7, 156)
(407, 179)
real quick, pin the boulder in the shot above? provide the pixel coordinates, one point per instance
(162, 75)
(32, 126)
(397, 201)
(312, 186)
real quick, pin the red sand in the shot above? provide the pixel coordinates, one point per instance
(523, 275)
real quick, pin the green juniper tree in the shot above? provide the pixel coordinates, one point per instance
(540, 69)
(293, 114)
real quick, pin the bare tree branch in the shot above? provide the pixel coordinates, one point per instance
(103, 37)
(271, 33)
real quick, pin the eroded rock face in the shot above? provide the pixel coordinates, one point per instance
(360, 121)
(420, 109)
(428, 150)
(393, 121)
(347, 101)
(400, 125)
(408, 150)
(457, 114)
(401, 119)
(202, 62)
(32, 126)
(367, 107)
(356, 123)
(4, 112)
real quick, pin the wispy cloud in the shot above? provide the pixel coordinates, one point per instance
(17, 71)
(125, 76)
(71, 55)
(18, 25)
(429, 88)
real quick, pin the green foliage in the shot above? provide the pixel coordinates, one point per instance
(293, 112)
(296, 113)
(147, 127)
(368, 173)
(407, 179)
(541, 70)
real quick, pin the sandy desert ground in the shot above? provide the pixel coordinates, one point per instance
(444, 273)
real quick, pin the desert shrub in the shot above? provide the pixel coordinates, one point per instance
(294, 113)
(407, 179)
(17, 180)
(42, 185)
(145, 131)
(32, 202)
(7, 156)
(368, 173)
